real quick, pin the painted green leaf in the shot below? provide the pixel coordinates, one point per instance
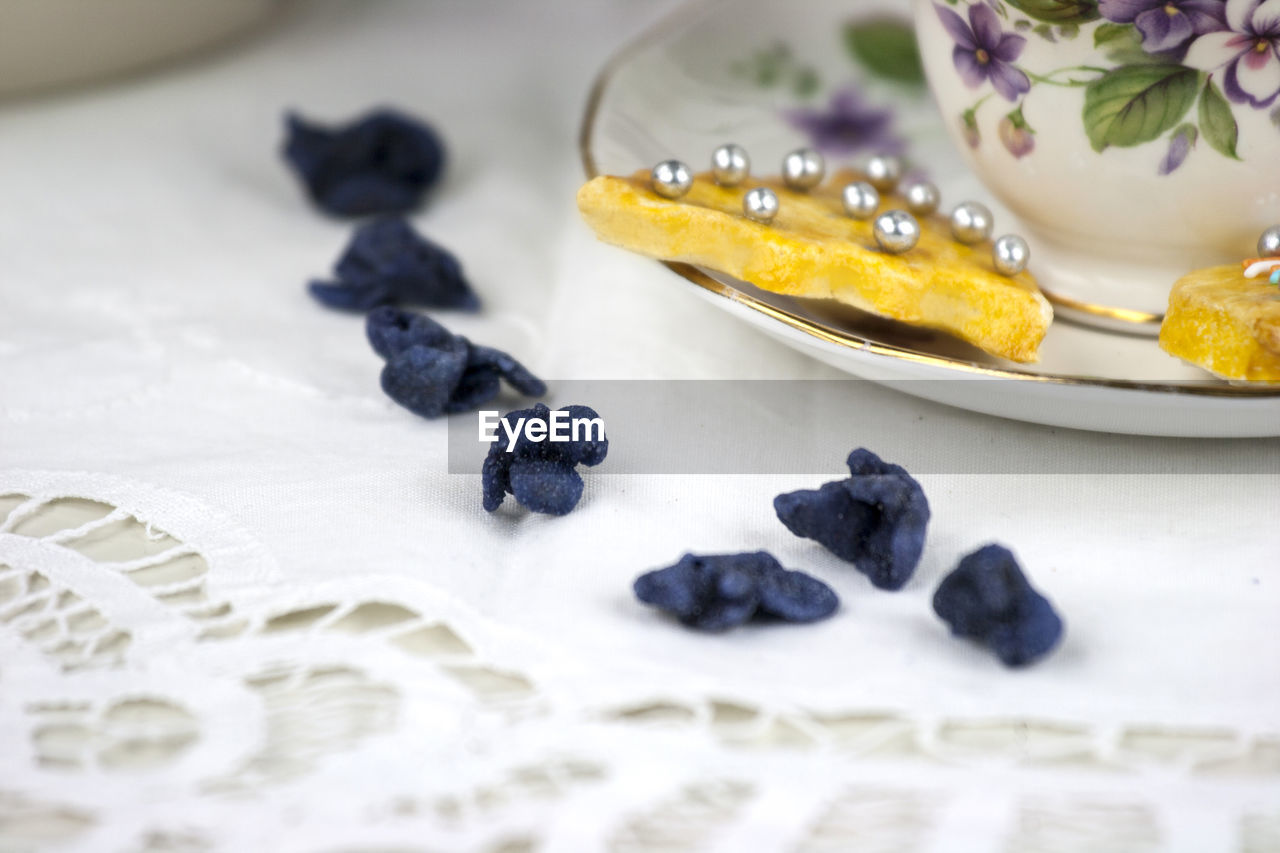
(769, 64)
(887, 48)
(1122, 44)
(1216, 121)
(1107, 33)
(806, 83)
(1058, 11)
(1134, 104)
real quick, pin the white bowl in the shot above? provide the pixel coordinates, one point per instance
(46, 43)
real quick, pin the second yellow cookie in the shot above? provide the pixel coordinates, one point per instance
(1225, 323)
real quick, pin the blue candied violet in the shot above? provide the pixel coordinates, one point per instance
(549, 486)
(392, 331)
(875, 519)
(432, 372)
(541, 475)
(715, 592)
(591, 447)
(388, 263)
(499, 363)
(424, 380)
(988, 598)
(383, 162)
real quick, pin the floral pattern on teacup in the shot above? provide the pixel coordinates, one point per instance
(848, 125)
(1165, 25)
(1246, 51)
(1162, 59)
(984, 51)
(855, 118)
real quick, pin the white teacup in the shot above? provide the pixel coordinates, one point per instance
(1135, 139)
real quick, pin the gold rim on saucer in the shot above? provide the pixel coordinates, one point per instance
(1108, 318)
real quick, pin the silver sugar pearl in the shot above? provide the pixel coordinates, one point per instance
(896, 231)
(922, 197)
(971, 223)
(671, 179)
(1269, 243)
(730, 165)
(803, 169)
(1010, 254)
(884, 171)
(760, 204)
(860, 200)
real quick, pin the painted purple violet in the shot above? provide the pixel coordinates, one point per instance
(983, 51)
(1247, 54)
(1179, 147)
(1166, 25)
(848, 125)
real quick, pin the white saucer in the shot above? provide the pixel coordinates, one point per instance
(695, 82)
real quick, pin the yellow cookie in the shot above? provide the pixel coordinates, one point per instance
(813, 249)
(1225, 323)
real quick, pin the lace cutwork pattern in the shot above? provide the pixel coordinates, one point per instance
(164, 690)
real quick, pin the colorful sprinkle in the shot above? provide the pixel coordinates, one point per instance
(1258, 267)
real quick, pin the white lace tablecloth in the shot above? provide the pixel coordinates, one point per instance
(244, 606)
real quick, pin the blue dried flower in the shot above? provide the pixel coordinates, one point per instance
(383, 162)
(720, 591)
(388, 263)
(987, 598)
(540, 475)
(432, 372)
(875, 519)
